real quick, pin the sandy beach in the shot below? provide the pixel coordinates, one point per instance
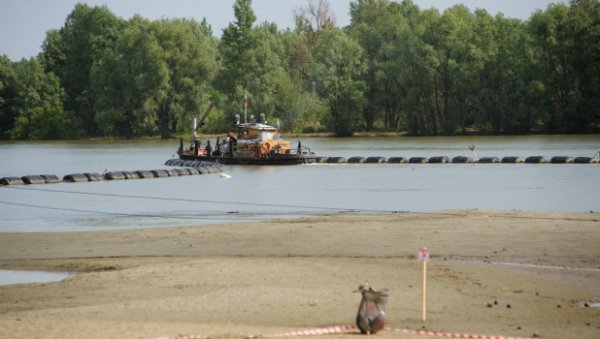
(507, 273)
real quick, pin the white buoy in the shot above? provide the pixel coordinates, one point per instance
(224, 175)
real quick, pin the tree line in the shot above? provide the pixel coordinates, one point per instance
(396, 67)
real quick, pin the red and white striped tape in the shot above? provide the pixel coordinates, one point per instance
(184, 337)
(452, 335)
(316, 331)
(351, 328)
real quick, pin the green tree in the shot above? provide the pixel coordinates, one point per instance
(412, 66)
(584, 18)
(303, 108)
(458, 62)
(503, 100)
(8, 95)
(299, 110)
(395, 67)
(129, 82)
(252, 65)
(566, 60)
(190, 55)
(53, 52)
(265, 70)
(71, 52)
(340, 69)
(39, 103)
(369, 30)
(235, 48)
(384, 30)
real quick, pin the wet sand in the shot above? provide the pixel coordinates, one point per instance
(491, 273)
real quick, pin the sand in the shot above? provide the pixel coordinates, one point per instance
(490, 273)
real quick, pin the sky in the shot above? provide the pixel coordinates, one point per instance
(24, 23)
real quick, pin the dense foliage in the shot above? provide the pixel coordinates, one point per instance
(396, 67)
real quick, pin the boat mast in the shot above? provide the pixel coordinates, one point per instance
(246, 107)
(194, 128)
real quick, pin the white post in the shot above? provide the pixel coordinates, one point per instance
(424, 290)
(424, 257)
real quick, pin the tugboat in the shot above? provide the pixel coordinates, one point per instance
(251, 143)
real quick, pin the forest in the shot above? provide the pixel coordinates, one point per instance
(395, 68)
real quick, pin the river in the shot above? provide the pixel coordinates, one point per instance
(257, 193)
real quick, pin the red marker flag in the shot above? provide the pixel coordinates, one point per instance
(423, 254)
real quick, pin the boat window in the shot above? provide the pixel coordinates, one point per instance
(266, 136)
(248, 134)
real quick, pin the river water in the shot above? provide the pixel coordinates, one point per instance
(10, 277)
(257, 193)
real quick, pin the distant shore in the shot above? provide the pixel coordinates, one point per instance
(362, 134)
(505, 273)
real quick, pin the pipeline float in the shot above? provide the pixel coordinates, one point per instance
(195, 167)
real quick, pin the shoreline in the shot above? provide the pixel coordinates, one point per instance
(261, 278)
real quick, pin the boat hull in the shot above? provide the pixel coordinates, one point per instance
(288, 159)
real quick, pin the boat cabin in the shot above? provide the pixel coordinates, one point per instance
(260, 140)
(257, 131)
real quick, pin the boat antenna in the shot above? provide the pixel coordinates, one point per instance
(246, 107)
(194, 127)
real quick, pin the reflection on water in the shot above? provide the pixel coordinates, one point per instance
(257, 193)
(10, 277)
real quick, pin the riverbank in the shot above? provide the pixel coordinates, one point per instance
(262, 278)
